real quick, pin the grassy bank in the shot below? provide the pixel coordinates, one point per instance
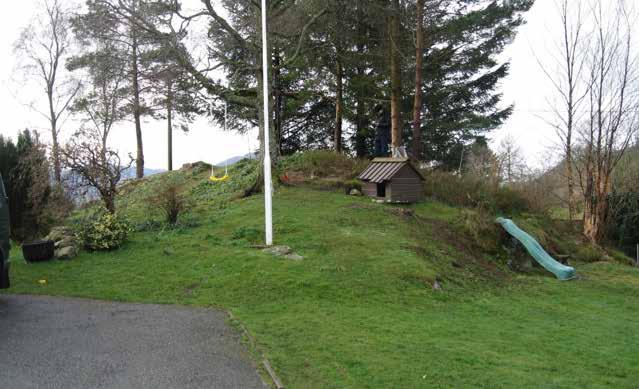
(360, 310)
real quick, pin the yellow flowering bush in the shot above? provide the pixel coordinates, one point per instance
(104, 232)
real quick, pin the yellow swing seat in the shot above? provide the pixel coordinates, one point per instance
(219, 179)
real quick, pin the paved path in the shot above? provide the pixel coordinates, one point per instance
(48, 342)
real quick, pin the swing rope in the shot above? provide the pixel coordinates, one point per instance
(225, 177)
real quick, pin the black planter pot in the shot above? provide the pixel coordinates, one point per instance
(38, 251)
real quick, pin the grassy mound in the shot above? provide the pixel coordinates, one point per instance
(360, 309)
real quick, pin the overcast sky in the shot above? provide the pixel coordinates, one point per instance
(526, 87)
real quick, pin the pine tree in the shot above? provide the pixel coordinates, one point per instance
(129, 43)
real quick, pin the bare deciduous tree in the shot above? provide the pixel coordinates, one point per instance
(567, 81)
(87, 154)
(512, 165)
(43, 47)
(97, 166)
(613, 109)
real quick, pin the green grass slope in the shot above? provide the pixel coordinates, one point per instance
(360, 310)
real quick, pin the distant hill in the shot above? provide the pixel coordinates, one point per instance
(233, 160)
(83, 195)
(130, 172)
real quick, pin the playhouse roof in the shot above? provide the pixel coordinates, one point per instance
(383, 169)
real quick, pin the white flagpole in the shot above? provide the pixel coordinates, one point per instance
(268, 189)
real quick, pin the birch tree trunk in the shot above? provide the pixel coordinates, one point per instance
(55, 145)
(137, 111)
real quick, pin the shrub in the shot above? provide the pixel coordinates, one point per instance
(149, 225)
(510, 201)
(248, 234)
(323, 163)
(352, 184)
(623, 220)
(620, 257)
(169, 197)
(29, 189)
(103, 232)
(589, 253)
(480, 228)
(474, 191)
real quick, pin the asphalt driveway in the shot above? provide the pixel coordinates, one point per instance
(48, 342)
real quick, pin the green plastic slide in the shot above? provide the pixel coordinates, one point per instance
(533, 247)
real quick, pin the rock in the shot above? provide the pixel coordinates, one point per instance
(520, 264)
(283, 252)
(519, 259)
(66, 253)
(403, 212)
(563, 259)
(279, 251)
(65, 242)
(355, 192)
(59, 233)
(196, 167)
(294, 257)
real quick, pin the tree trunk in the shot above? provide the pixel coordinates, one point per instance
(419, 60)
(570, 178)
(55, 153)
(139, 161)
(169, 124)
(594, 218)
(55, 145)
(395, 76)
(276, 87)
(339, 102)
(596, 206)
(360, 114)
(109, 204)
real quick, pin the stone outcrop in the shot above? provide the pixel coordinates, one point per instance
(65, 242)
(283, 252)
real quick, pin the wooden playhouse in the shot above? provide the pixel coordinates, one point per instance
(394, 180)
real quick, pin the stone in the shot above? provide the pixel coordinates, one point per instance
(519, 259)
(403, 212)
(294, 257)
(66, 253)
(355, 192)
(59, 233)
(283, 252)
(65, 242)
(279, 251)
(196, 167)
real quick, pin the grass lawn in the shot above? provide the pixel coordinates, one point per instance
(359, 311)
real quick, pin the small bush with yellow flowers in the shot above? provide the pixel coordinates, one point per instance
(104, 232)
